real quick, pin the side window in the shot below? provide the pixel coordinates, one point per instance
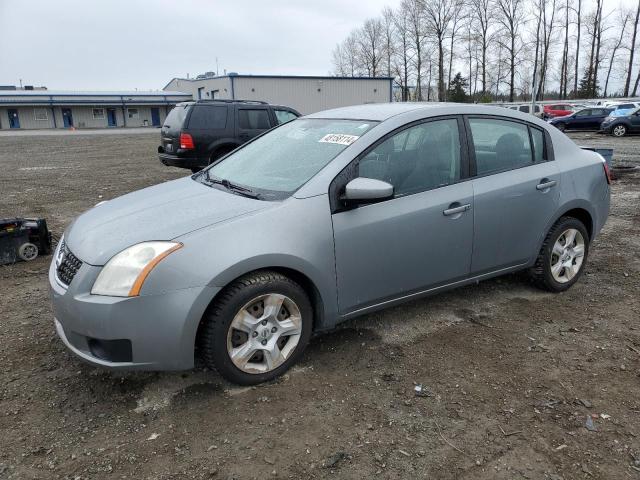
(524, 108)
(284, 116)
(583, 113)
(499, 145)
(208, 117)
(257, 119)
(539, 154)
(418, 158)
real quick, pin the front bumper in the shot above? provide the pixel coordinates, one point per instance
(149, 332)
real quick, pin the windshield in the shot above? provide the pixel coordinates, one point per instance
(282, 160)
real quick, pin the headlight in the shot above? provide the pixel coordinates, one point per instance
(125, 273)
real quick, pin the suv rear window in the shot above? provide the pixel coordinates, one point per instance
(176, 117)
(208, 117)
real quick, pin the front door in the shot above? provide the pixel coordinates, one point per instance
(111, 117)
(516, 192)
(420, 238)
(67, 117)
(252, 121)
(634, 120)
(14, 119)
(155, 116)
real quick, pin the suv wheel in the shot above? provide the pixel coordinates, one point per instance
(563, 255)
(257, 328)
(619, 131)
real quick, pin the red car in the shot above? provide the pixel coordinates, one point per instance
(557, 110)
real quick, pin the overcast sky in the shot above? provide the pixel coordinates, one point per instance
(128, 44)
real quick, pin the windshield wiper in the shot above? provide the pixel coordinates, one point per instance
(240, 190)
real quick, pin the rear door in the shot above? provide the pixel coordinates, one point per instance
(516, 191)
(252, 121)
(207, 123)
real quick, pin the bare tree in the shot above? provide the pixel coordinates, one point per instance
(457, 22)
(632, 49)
(417, 36)
(575, 78)
(371, 45)
(482, 12)
(439, 15)
(546, 15)
(625, 17)
(511, 17)
(565, 53)
(388, 32)
(403, 62)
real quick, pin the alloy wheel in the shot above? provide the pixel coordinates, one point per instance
(567, 255)
(619, 130)
(264, 333)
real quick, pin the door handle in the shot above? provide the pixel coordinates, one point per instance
(455, 210)
(546, 184)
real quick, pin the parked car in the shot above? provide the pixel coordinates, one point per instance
(585, 119)
(322, 219)
(619, 126)
(526, 108)
(558, 110)
(195, 134)
(623, 109)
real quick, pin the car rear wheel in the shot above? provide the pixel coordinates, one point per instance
(563, 255)
(28, 251)
(257, 328)
(221, 152)
(619, 131)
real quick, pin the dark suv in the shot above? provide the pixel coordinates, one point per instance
(197, 133)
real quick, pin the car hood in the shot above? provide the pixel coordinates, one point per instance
(161, 212)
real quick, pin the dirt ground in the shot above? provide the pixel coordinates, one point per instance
(510, 373)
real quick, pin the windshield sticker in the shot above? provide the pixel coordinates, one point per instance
(339, 138)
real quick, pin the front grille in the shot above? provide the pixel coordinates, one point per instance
(67, 264)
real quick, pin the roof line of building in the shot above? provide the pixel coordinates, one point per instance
(307, 77)
(52, 93)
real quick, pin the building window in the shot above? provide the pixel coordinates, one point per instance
(215, 94)
(98, 113)
(41, 114)
(133, 113)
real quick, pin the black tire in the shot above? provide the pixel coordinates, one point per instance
(541, 271)
(217, 321)
(561, 126)
(196, 169)
(221, 152)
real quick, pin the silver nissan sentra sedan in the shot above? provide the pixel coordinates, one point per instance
(324, 218)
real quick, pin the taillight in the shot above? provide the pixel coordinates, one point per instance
(607, 172)
(186, 141)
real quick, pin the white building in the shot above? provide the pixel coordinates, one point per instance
(35, 109)
(305, 94)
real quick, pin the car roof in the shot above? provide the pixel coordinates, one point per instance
(384, 111)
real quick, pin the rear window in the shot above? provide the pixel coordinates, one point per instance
(499, 145)
(625, 106)
(176, 117)
(208, 117)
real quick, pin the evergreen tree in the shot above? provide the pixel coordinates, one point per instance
(457, 89)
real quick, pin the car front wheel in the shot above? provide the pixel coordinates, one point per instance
(563, 255)
(619, 131)
(257, 328)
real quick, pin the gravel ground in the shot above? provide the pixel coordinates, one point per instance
(511, 374)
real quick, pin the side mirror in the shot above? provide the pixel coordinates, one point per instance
(367, 190)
